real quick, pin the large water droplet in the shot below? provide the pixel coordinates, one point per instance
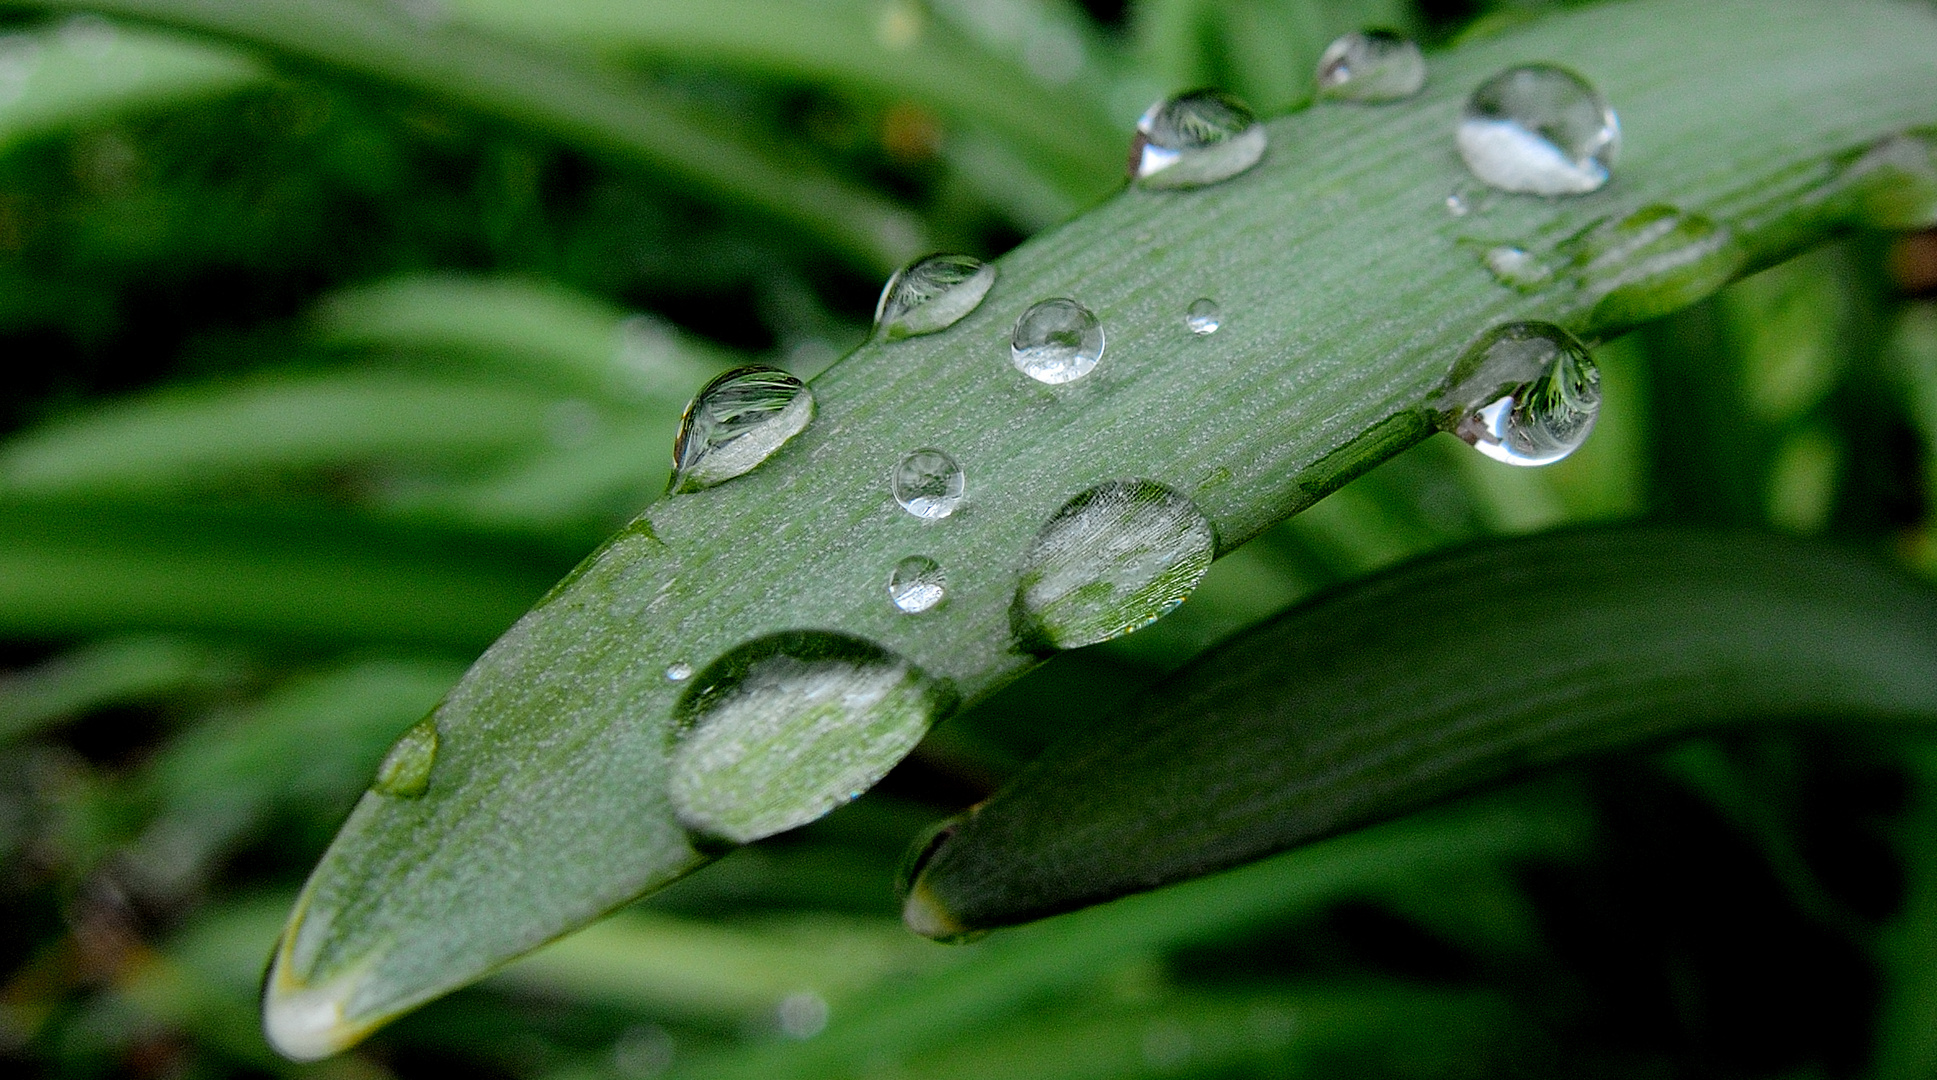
(928, 484)
(1517, 268)
(1539, 130)
(1371, 66)
(1056, 341)
(1892, 185)
(736, 422)
(1526, 394)
(782, 729)
(1649, 263)
(931, 294)
(1114, 559)
(405, 771)
(1195, 139)
(1202, 316)
(917, 584)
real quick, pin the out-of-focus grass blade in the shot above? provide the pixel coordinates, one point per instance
(195, 437)
(111, 672)
(897, 50)
(560, 491)
(1443, 676)
(52, 78)
(540, 330)
(1002, 977)
(313, 742)
(602, 113)
(81, 567)
(1265, 51)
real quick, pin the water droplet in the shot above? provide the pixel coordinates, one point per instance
(802, 1015)
(1114, 559)
(1202, 316)
(736, 422)
(931, 294)
(1371, 66)
(1518, 268)
(1649, 263)
(928, 484)
(1526, 394)
(785, 728)
(917, 584)
(1457, 204)
(1195, 139)
(1056, 341)
(679, 672)
(405, 771)
(1539, 130)
(1891, 185)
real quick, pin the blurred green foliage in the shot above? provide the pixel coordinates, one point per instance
(325, 363)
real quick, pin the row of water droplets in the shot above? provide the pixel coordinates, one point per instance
(780, 713)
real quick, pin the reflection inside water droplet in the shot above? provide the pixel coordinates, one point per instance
(1525, 394)
(1195, 139)
(1539, 130)
(1202, 316)
(1056, 341)
(1115, 558)
(1371, 66)
(928, 484)
(405, 771)
(736, 422)
(931, 294)
(917, 584)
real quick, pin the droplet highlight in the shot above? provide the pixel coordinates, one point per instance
(1195, 139)
(736, 422)
(1114, 559)
(1539, 130)
(1370, 67)
(1517, 268)
(783, 729)
(405, 770)
(679, 672)
(917, 584)
(1526, 394)
(928, 484)
(1203, 317)
(1056, 341)
(931, 294)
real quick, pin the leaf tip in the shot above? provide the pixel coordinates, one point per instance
(308, 1023)
(924, 914)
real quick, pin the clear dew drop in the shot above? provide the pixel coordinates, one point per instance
(1115, 558)
(405, 771)
(1371, 66)
(1203, 316)
(1539, 130)
(679, 672)
(931, 294)
(1458, 205)
(928, 484)
(1525, 394)
(736, 422)
(1056, 341)
(918, 584)
(784, 728)
(1195, 139)
(1517, 268)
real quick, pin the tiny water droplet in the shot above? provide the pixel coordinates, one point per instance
(1654, 261)
(736, 422)
(784, 728)
(1056, 341)
(931, 294)
(1526, 394)
(917, 584)
(1195, 139)
(405, 771)
(679, 672)
(1371, 66)
(1115, 558)
(1539, 130)
(1202, 316)
(928, 484)
(1457, 204)
(1518, 268)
